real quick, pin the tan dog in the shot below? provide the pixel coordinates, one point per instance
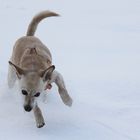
(31, 65)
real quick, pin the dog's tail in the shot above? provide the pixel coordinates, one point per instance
(35, 21)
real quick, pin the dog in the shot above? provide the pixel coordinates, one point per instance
(31, 64)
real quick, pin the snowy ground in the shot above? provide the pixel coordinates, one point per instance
(95, 44)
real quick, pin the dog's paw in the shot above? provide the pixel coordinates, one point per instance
(41, 124)
(67, 100)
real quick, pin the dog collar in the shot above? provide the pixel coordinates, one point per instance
(48, 86)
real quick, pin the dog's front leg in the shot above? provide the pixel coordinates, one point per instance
(58, 79)
(38, 117)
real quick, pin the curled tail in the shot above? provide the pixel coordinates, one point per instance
(35, 21)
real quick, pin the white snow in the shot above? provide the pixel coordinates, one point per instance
(95, 45)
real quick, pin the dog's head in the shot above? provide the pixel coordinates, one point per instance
(32, 83)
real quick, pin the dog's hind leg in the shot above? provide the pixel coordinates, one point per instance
(58, 79)
(38, 117)
(11, 76)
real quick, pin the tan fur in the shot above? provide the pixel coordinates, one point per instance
(21, 54)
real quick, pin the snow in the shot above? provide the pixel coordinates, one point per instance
(95, 45)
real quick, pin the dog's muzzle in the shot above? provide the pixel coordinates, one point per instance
(28, 108)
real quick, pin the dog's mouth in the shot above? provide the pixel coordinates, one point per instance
(27, 108)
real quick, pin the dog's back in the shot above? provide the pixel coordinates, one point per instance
(23, 54)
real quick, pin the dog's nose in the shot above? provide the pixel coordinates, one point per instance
(27, 108)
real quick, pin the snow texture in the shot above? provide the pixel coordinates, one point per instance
(95, 45)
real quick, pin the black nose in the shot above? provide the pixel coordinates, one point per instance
(27, 108)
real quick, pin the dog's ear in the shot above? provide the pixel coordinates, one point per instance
(46, 74)
(18, 69)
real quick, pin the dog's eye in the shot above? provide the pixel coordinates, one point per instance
(24, 92)
(37, 94)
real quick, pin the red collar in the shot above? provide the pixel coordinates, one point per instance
(48, 86)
